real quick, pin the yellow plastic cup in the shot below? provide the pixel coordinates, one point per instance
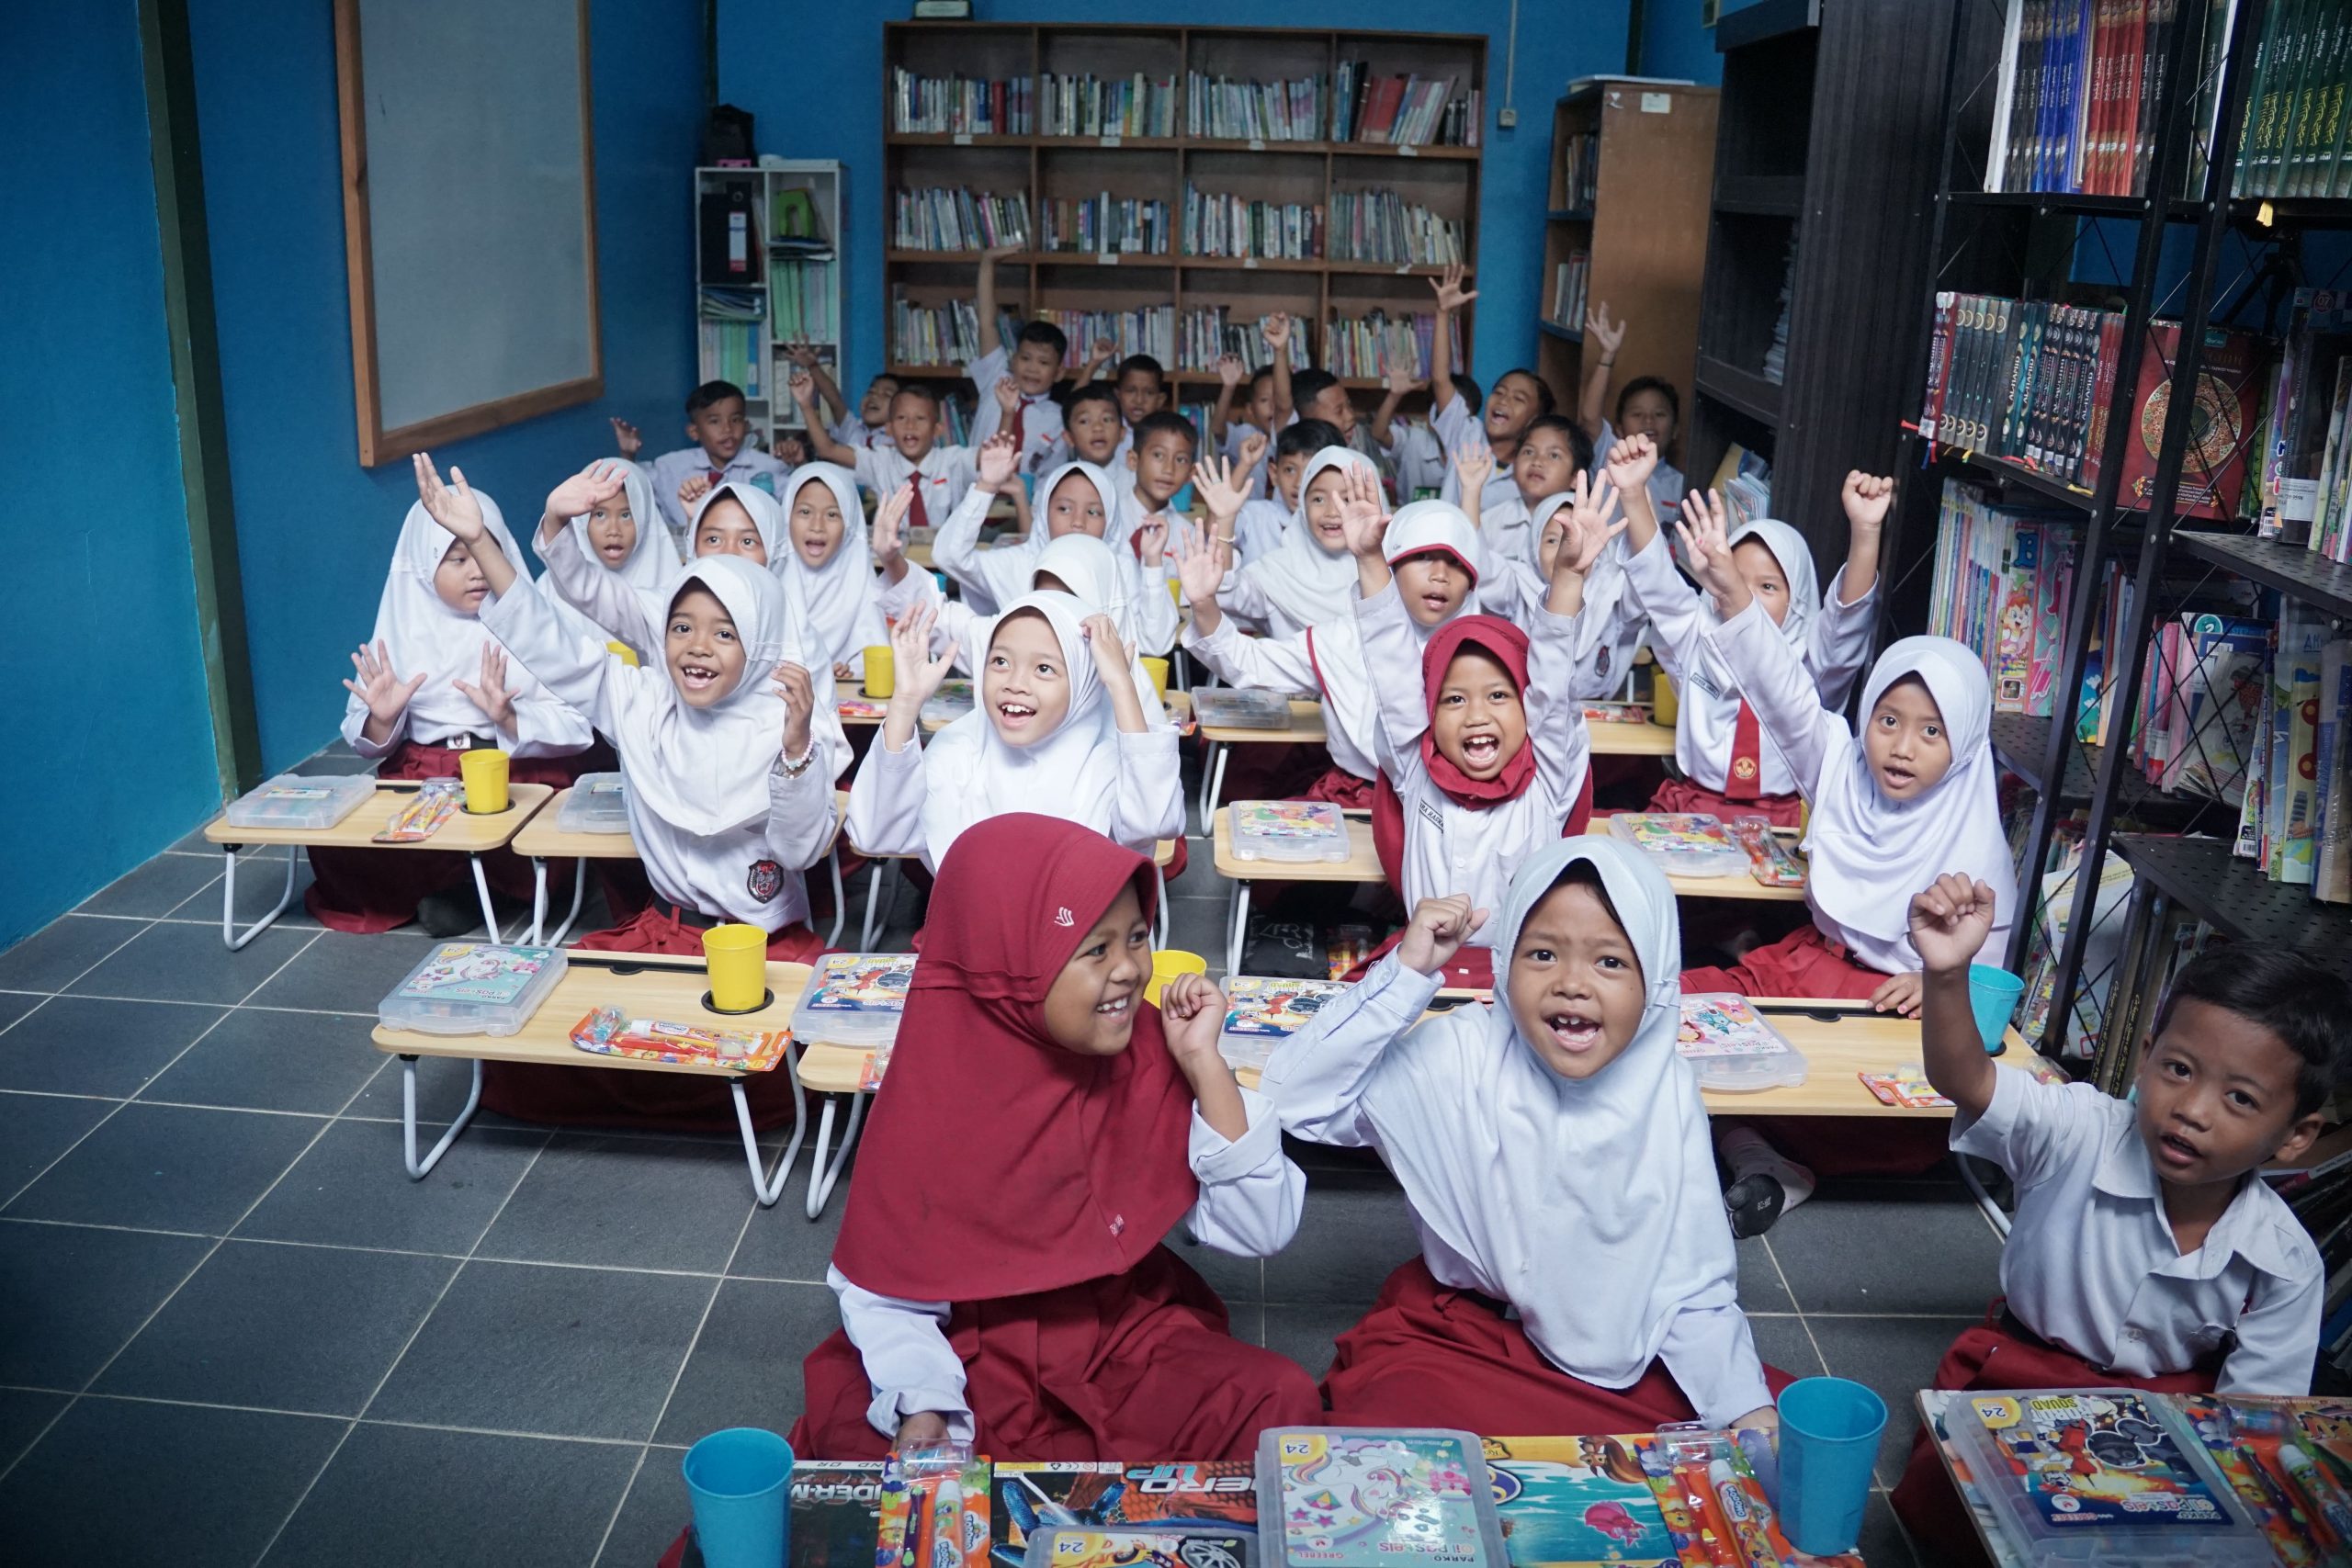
(1664, 705)
(1158, 670)
(1176, 591)
(484, 771)
(1166, 964)
(623, 652)
(737, 958)
(881, 674)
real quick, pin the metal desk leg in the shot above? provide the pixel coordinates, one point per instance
(1212, 761)
(417, 1169)
(1159, 915)
(873, 904)
(841, 903)
(769, 1186)
(538, 898)
(1216, 790)
(579, 894)
(822, 1176)
(482, 886)
(229, 934)
(1239, 933)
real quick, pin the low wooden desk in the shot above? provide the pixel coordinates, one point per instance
(1618, 739)
(643, 985)
(1305, 727)
(463, 833)
(1361, 865)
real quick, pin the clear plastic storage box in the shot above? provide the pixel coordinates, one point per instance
(597, 803)
(1241, 707)
(1682, 843)
(473, 987)
(1288, 830)
(1262, 1012)
(854, 999)
(1734, 1048)
(299, 800)
(1376, 1497)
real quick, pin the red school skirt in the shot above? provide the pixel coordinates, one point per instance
(375, 890)
(1999, 1353)
(602, 1097)
(1429, 1355)
(1137, 1363)
(1682, 794)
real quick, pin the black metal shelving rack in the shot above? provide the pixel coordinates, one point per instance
(1979, 240)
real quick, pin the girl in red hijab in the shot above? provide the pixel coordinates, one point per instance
(1000, 1267)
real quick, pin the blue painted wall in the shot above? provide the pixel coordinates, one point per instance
(315, 528)
(99, 657)
(1674, 44)
(812, 76)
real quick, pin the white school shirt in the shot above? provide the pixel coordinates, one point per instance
(1041, 418)
(717, 874)
(1838, 644)
(959, 622)
(1455, 427)
(1450, 848)
(949, 473)
(1250, 1198)
(853, 431)
(1281, 664)
(2091, 1264)
(749, 466)
(1805, 735)
(1667, 486)
(1614, 624)
(999, 574)
(1145, 804)
(1236, 431)
(1420, 461)
(1258, 529)
(1345, 1080)
(1181, 530)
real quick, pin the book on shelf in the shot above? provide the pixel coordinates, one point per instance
(1222, 225)
(805, 297)
(732, 350)
(1581, 169)
(1227, 109)
(942, 219)
(1149, 329)
(1204, 333)
(1087, 105)
(1376, 343)
(961, 105)
(1103, 224)
(1380, 226)
(1413, 111)
(946, 335)
(2305, 473)
(2003, 578)
(1569, 279)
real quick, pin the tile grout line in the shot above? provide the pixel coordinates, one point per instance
(1796, 1306)
(626, 1490)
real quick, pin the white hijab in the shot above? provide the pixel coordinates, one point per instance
(766, 516)
(1308, 584)
(1089, 568)
(1336, 648)
(1870, 855)
(424, 636)
(1712, 720)
(653, 559)
(970, 773)
(844, 617)
(1592, 1206)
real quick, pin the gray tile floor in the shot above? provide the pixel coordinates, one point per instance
(228, 1307)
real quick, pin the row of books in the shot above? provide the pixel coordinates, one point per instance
(2293, 142)
(2002, 581)
(1569, 280)
(733, 351)
(1377, 343)
(932, 335)
(1103, 224)
(961, 106)
(2081, 95)
(1580, 157)
(1223, 225)
(1379, 225)
(2305, 470)
(1406, 111)
(2296, 817)
(805, 301)
(1149, 329)
(939, 218)
(1088, 104)
(1223, 108)
(1206, 333)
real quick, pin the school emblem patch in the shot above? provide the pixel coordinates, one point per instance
(764, 881)
(1600, 661)
(1743, 768)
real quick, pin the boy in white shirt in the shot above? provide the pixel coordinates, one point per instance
(1517, 399)
(1258, 417)
(1016, 380)
(718, 427)
(945, 472)
(2148, 1251)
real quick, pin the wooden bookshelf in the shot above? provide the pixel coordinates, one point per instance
(1642, 227)
(1443, 179)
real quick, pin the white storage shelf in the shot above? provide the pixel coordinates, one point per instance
(767, 403)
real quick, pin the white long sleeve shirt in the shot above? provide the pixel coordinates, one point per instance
(991, 576)
(670, 469)
(1280, 664)
(1249, 1202)
(1041, 417)
(946, 474)
(1455, 425)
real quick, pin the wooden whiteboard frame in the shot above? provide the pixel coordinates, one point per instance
(377, 445)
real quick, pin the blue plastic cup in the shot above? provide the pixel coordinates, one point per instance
(738, 1479)
(1829, 1432)
(1994, 994)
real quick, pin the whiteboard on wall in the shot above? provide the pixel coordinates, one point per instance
(469, 215)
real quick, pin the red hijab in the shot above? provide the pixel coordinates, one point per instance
(997, 1163)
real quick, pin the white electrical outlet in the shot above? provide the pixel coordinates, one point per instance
(1507, 119)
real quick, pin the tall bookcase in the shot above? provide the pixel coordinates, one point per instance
(771, 281)
(1825, 164)
(1631, 167)
(1310, 169)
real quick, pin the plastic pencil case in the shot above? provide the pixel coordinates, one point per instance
(1244, 707)
(1682, 844)
(296, 800)
(597, 803)
(1140, 1546)
(1299, 830)
(1280, 1448)
(473, 987)
(1770, 1062)
(853, 998)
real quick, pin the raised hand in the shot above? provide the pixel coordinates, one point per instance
(1221, 487)
(626, 437)
(999, 251)
(1706, 540)
(1112, 655)
(1230, 371)
(586, 490)
(1867, 498)
(889, 546)
(803, 387)
(1363, 512)
(1192, 1017)
(804, 355)
(1451, 295)
(1200, 569)
(919, 674)
(692, 488)
(1275, 330)
(385, 693)
(800, 694)
(1951, 920)
(1585, 526)
(1473, 463)
(1601, 331)
(1401, 380)
(1000, 458)
(1151, 540)
(1437, 930)
(1631, 462)
(1254, 448)
(451, 505)
(1007, 396)
(493, 696)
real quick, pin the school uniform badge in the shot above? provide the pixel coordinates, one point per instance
(764, 881)
(1743, 768)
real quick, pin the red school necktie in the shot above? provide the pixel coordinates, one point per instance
(1020, 431)
(916, 517)
(1741, 779)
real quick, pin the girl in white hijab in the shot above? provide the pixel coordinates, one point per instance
(1729, 761)
(1310, 579)
(1577, 1270)
(827, 554)
(1060, 729)
(1517, 586)
(431, 684)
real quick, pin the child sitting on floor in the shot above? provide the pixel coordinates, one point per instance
(1577, 1276)
(728, 784)
(433, 684)
(2147, 1250)
(1001, 1271)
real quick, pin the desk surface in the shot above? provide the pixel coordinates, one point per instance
(1305, 725)
(1361, 864)
(1620, 739)
(461, 832)
(544, 838)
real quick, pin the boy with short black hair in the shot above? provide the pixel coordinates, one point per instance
(1158, 465)
(870, 423)
(1517, 398)
(1092, 426)
(2146, 1251)
(1141, 383)
(943, 473)
(1551, 453)
(720, 432)
(1260, 526)
(1016, 380)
